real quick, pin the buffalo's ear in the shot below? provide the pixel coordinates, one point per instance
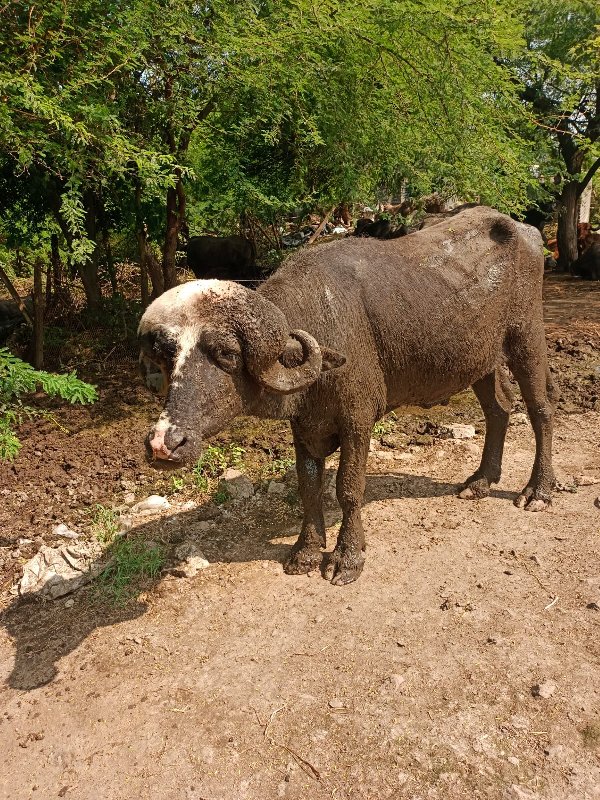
(331, 359)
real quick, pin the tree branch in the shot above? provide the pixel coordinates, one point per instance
(588, 176)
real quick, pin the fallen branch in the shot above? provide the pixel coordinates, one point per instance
(15, 296)
(321, 225)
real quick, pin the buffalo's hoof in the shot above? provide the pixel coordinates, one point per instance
(533, 499)
(341, 569)
(475, 489)
(303, 560)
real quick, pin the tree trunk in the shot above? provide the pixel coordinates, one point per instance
(88, 271)
(175, 216)
(148, 263)
(567, 225)
(57, 267)
(38, 315)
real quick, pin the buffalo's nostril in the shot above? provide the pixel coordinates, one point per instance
(174, 439)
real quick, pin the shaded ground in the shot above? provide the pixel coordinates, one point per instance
(414, 682)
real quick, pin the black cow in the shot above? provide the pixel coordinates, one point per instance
(223, 257)
(587, 265)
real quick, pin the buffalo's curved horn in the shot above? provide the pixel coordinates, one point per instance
(285, 380)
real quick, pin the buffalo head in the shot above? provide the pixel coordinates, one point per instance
(215, 350)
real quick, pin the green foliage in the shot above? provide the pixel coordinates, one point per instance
(385, 425)
(215, 460)
(105, 523)
(17, 378)
(177, 483)
(132, 564)
(277, 467)
(221, 496)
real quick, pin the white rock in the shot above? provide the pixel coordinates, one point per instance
(461, 431)
(153, 503)
(544, 690)
(291, 476)
(129, 498)
(335, 703)
(396, 681)
(586, 480)
(64, 532)
(472, 449)
(237, 485)
(522, 793)
(275, 487)
(519, 419)
(191, 560)
(69, 603)
(513, 760)
(55, 572)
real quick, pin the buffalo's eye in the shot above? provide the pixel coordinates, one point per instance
(227, 360)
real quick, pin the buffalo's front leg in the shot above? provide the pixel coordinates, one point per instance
(307, 552)
(347, 560)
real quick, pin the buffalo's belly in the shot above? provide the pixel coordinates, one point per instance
(433, 376)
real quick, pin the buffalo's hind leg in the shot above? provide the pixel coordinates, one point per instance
(528, 361)
(494, 395)
(306, 554)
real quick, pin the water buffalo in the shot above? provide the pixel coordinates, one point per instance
(344, 333)
(223, 257)
(588, 264)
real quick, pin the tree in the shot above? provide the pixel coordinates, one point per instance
(560, 69)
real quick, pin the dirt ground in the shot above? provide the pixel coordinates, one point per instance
(417, 681)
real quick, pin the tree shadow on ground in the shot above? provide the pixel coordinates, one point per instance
(44, 631)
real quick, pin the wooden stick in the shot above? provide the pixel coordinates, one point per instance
(15, 296)
(321, 225)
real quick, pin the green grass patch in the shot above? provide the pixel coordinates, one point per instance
(105, 523)
(213, 462)
(221, 496)
(385, 425)
(133, 564)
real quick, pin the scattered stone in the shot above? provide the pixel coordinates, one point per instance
(519, 419)
(586, 480)
(275, 487)
(553, 750)
(513, 760)
(55, 572)
(544, 690)
(151, 505)
(237, 485)
(374, 445)
(204, 525)
(291, 477)
(594, 606)
(396, 681)
(460, 431)
(129, 498)
(191, 560)
(472, 449)
(329, 487)
(521, 793)
(495, 638)
(597, 502)
(64, 532)
(69, 603)
(335, 703)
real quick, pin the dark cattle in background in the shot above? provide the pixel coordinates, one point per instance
(379, 229)
(588, 264)
(348, 331)
(11, 317)
(222, 257)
